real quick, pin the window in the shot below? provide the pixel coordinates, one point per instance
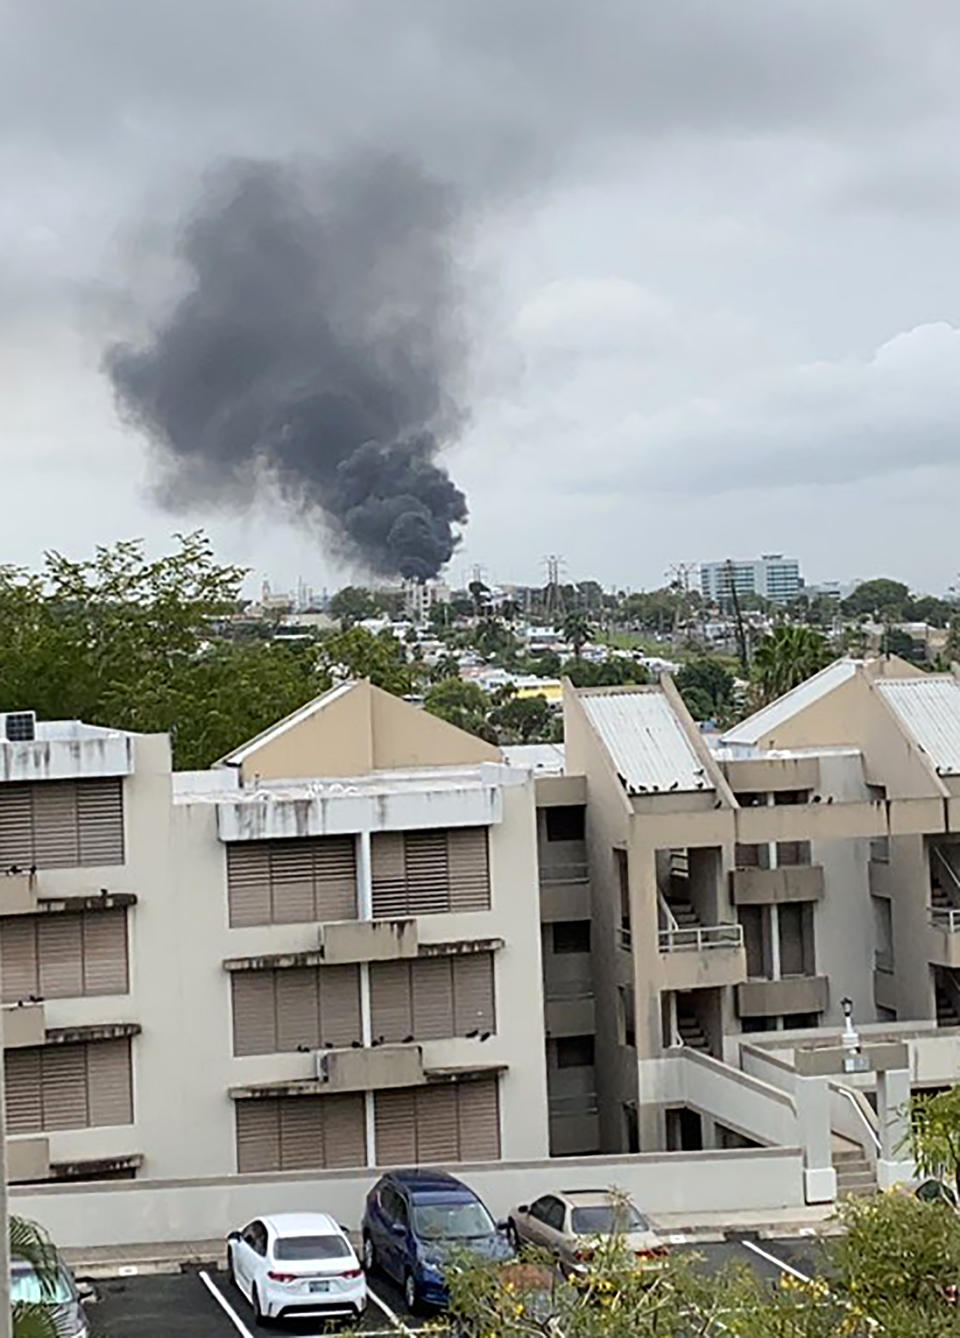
(883, 933)
(758, 1024)
(791, 796)
(453, 1122)
(751, 856)
(255, 1236)
(286, 1009)
(800, 1021)
(292, 882)
(554, 1214)
(294, 1133)
(571, 936)
(433, 998)
(61, 824)
(754, 921)
(430, 872)
(623, 880)
(792, 853)
(302, 1248)
(64, 956)
(796, 938)
(73, 1086)
(565, 823)
(604, 1219)
(628, 1021)
(538, 1209)
(574, 1052)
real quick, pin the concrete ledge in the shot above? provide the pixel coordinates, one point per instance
(767, 887)
(794, 994)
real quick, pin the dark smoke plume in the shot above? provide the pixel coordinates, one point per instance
(317, 348)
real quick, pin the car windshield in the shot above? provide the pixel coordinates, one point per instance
(26, 1287)
(310, 1247)
(603, 1219)
(451, 1221)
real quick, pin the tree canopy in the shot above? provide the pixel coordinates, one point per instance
(787, 655)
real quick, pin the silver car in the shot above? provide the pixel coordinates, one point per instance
(571, 1224)
(58, 1294)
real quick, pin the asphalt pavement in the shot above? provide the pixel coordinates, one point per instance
(202, 1303)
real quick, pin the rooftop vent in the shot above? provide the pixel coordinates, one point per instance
(20, 726)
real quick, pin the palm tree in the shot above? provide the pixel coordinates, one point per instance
(577, 630)
(30, 1243)
(785, 657)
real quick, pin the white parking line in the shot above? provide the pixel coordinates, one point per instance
(224, 1304)
(391, 1315)
(777, 1263)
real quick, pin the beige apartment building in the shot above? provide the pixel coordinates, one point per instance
(366, 938)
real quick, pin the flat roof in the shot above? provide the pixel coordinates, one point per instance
(646, 742)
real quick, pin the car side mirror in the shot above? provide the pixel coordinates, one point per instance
(234, 1235)
(503, 1225)
(87, 1293)
(524, 1208)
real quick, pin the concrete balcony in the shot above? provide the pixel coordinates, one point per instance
(28, 1159)
(773, 773)
(884, 982)
(768, 887)
(702, 956)
(772, 998)
(882, 882)
(564, 893)
(368, 941)
(570, 1014)
(24, 1024)
(371, 1069)
(943, 937)
(18, 893)
(574, 1125)
(810, 822)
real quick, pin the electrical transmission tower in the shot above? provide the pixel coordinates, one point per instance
(554, 610)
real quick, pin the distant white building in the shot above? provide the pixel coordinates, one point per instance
(772, 576)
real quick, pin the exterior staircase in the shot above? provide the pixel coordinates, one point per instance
(854, 1173)
(691, 1033)
(946, 1013)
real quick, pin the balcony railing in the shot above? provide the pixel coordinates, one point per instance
(583, 1103)
(698, 938)
(564, 874)
(625, 937)
(943, 918)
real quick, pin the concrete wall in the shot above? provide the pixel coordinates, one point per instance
(206, 1209)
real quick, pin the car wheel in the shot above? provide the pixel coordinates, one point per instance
(410, 1295)
(260, 1321)
(513, 1236)
(369, 1255)
(231, 1274)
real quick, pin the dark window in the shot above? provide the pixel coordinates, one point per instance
(791, 797)
(750, 799)
(571, 936)
(574, 1052)
(798, 1020)
(631, 1128)
(554, 1214)
(752, 920)
(311, 1247)
(565, 823)
(623, 877)
(796, 938)
(758, 1024)
(538, 1209)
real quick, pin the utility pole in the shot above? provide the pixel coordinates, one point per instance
(679, 574)
(738, 617)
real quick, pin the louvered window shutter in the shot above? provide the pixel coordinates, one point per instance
(344, 1130)
(469, 869)
(23, 1104)
(248, 884)
(63, 1086)
(432, 999)
(335, 878)
(258, 1135)
(16, 826)
(437, 1138)
(100, 821)
(473, 993)
(254, 1012)
(105, 967)
(56, 837)
(391, 1001)
(388, 874)
(60, 956)
(301, 1133)
(110, 1082)
(291, 882)
(395, 1128)
(18, 958)
(428, 872)
(478, 1116)
(339, 989)
(298, 1020)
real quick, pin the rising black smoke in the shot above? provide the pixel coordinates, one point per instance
(318, 349)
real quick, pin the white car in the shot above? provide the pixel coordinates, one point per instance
(297, 1265)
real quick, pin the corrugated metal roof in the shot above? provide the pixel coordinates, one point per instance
(929, 710)
(760, 724)
(645, 741)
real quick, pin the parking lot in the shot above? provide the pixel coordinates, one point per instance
(204, 1304)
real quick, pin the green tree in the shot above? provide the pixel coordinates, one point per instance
(523, 720)
(352, 605)
(880, 597)
(931, 610)
(447, 666)
(461, 703)
(577, 631)
(360, 653)
(786, 656)
(952, 648)
(707, 688)
(934, 1134)
(30, 1243)
(898, 642)
(611, 672)
(493, 639)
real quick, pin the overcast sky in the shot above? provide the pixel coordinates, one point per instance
(713, 297)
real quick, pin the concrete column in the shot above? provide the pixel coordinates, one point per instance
(364, 878)
(365, 912)
(894, 1162)
(370, 1123)
(813, 1117)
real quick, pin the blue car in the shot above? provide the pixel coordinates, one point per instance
(413, 1219)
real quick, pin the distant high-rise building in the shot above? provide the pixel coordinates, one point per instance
(772, 576)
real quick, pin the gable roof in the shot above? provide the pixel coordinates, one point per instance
(646, 742)
(928, 709)
(768, 718)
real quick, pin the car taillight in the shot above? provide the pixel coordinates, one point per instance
(282, 1277)
(583, 1256)
(353, 1273)
(658, 1252)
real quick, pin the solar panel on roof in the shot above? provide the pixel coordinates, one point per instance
(20, 726)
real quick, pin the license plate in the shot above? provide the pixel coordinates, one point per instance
(319, 1286)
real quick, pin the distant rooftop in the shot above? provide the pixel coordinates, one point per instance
(645, 740)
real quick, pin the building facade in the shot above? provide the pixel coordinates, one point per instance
(772, 576)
